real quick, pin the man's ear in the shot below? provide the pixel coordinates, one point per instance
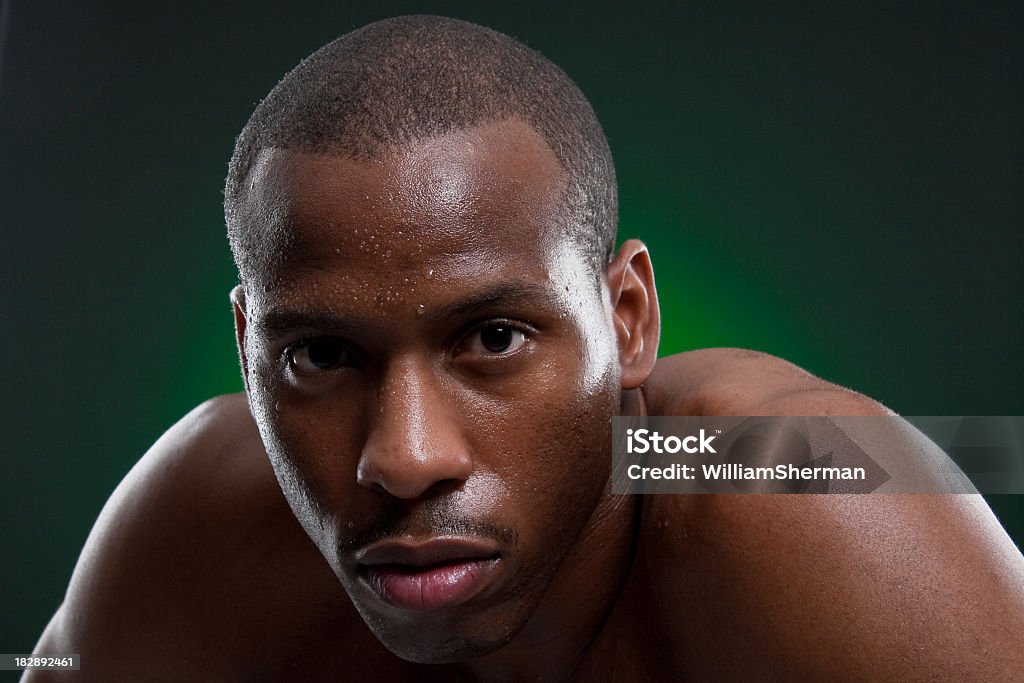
(238, 304)
(635, 312)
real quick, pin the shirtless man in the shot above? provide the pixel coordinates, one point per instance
(434, 335)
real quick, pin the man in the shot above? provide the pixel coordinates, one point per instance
(434, 335)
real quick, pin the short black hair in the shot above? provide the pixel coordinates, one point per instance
(416, 77)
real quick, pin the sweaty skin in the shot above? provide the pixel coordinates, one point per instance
(430, 361)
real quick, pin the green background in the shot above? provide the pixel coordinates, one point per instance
(840, 186)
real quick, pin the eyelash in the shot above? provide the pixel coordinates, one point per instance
(289, 351)
(527, 330)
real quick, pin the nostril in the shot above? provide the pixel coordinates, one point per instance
(375, 487)
(369, 476)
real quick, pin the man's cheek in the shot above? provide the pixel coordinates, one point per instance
(328, 474)
(557, 458)
(318, 458)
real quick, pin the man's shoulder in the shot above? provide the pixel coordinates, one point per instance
(809, 583)
(902, 587)
(204, 463)
(731, 381)
(208, 470)
(196, 558)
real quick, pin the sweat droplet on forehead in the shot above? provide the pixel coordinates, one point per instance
(499, 182)
(409, 229)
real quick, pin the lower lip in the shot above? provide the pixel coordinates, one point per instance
(415, 588)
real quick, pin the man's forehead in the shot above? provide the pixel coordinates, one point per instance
(499, 172)
(480, 202)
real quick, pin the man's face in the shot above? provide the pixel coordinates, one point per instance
(433, 366)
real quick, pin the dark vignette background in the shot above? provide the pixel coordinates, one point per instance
(840, 186)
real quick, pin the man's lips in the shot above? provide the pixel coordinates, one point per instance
(424, 575)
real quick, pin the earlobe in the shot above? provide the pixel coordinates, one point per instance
(237, 297)
(636, 316)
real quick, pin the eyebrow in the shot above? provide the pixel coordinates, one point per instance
(514, 292)
(280, 320)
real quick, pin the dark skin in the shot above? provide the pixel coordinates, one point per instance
(457, 380)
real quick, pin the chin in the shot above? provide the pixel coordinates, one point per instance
(438, 644)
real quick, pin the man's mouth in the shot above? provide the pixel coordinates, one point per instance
(431, 574)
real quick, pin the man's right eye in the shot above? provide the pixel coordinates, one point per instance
(319, 355)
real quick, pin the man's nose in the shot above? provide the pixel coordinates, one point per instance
(414, 443)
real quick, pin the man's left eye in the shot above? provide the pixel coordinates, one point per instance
(495, 339)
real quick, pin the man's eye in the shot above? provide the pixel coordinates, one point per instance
(495, 339)
(319, 355)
